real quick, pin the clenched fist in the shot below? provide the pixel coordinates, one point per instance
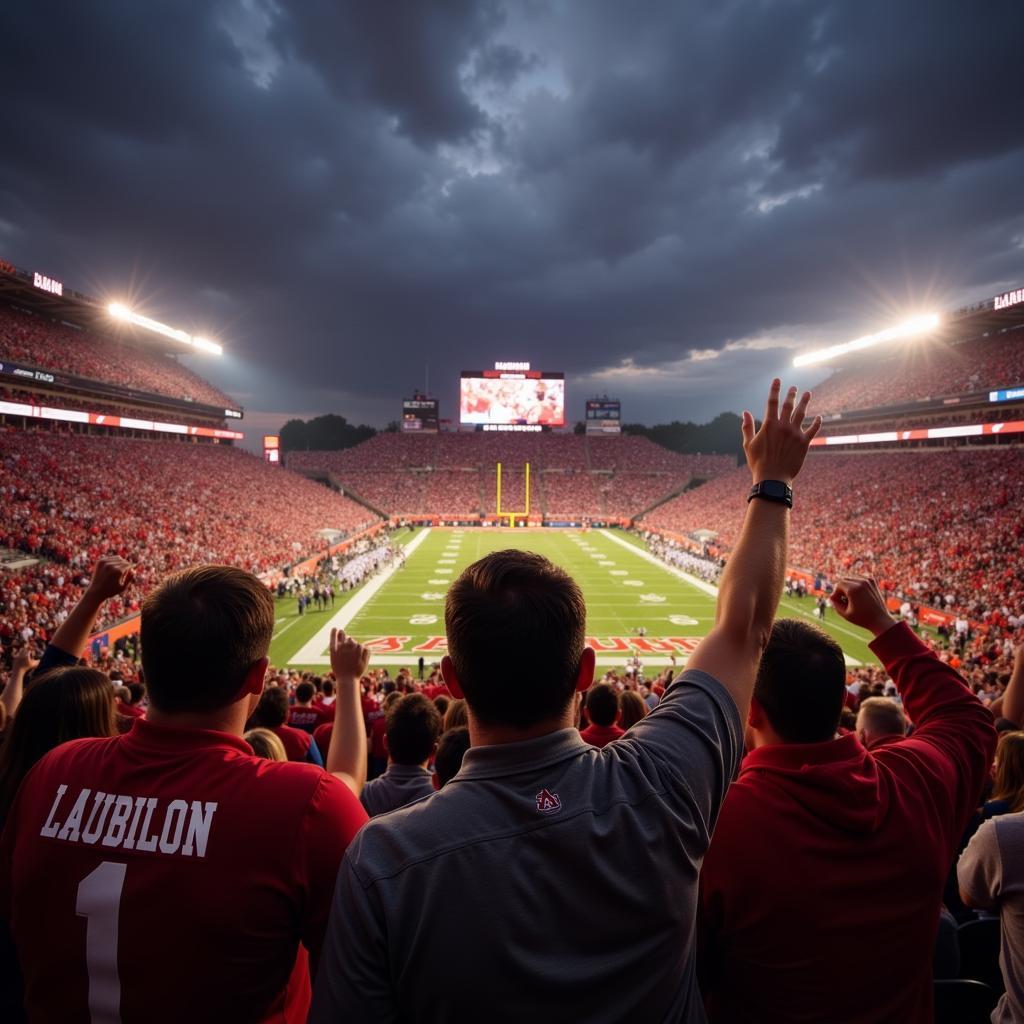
(111, 577)
(858, 600)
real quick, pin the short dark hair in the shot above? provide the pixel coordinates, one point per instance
(304, 692)
(450, 751)
(801, 682)
(202, 630)
(412, 724)
(602, 704)
(515, 601)
(272, 710)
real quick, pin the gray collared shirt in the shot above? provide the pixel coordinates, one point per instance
(549, 880)
(401, 784)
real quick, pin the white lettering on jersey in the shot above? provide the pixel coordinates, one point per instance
(143, 823)
(51, 828)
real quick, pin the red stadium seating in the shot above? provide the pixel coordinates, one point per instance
(571, 475)
(933, 371)
(40, 342)
(161, 504)
(927, 523)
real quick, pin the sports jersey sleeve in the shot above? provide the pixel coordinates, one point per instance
(954, 737)
(333, 818)
(354, 982)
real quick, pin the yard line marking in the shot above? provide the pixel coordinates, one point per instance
(710, 588)
(312, 652)
(284, 629)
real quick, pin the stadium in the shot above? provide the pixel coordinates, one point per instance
(511, 511)
(646, 530)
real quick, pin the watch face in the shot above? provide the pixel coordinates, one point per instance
(773, 488)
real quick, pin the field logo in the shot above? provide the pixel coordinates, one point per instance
(602, 645)
(547, 802)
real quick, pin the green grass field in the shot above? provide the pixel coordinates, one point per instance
(401, 613)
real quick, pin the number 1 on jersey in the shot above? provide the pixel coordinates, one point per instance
(99, 902)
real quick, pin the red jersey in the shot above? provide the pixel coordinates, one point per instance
(322, 738)
(170, 875)
(308, 718)
(601, 735)
(296, 741)
(378, 729)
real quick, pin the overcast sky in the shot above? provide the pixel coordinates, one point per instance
(660, 198)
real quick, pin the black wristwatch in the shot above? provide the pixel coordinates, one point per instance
(772, 490)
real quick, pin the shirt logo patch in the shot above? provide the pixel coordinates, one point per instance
(548, 801)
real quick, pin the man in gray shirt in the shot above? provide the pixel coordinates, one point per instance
(412, 726)
(549, 877)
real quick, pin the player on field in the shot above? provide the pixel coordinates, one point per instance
(169, 874)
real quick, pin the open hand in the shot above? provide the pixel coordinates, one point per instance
(111, 577)
(23, 661)
(778, 449)
(349, 658)
(858, 600)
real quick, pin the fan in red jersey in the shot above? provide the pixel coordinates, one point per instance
(169, 874)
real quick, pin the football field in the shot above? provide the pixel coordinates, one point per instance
(400, 612)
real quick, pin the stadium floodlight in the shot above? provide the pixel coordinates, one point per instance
(206, 345)
(122, 312)
(915, 325)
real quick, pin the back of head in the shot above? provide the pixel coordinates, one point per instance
(880, 716)
(455, 715)
(266, 744)
(305, 692)
(602, 704)
(632, 708)
(272, 710)
(412, 724)
(450, 751)
(60, 705)
(801, 682)
(202, 631)
(1009, 773)
(515, 601)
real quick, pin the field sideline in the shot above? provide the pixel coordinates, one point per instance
(401, 612)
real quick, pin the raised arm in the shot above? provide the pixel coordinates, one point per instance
(1013, 698)
(751, 586)
(346, 756)
(21, 663)
(954, 734)
(111, 577)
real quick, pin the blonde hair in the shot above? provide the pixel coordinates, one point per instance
(266, 744)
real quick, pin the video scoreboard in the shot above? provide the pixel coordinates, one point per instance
(512, 397)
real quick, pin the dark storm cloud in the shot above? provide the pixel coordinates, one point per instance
(349, 191)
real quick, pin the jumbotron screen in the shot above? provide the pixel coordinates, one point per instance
(507, 398)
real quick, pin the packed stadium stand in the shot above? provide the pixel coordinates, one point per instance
(456, 473)
(34, 340)
(163, 504)
(931, 370)
(936, 524)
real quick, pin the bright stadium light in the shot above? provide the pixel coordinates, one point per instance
(206, 345)
(915, 325)
(122, 312)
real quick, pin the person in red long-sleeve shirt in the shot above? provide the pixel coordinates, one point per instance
(824, 847)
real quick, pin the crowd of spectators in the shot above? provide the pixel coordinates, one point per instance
(924, 370)
(36, 341)
(69, 499)
(570, 475)
(929, 524)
